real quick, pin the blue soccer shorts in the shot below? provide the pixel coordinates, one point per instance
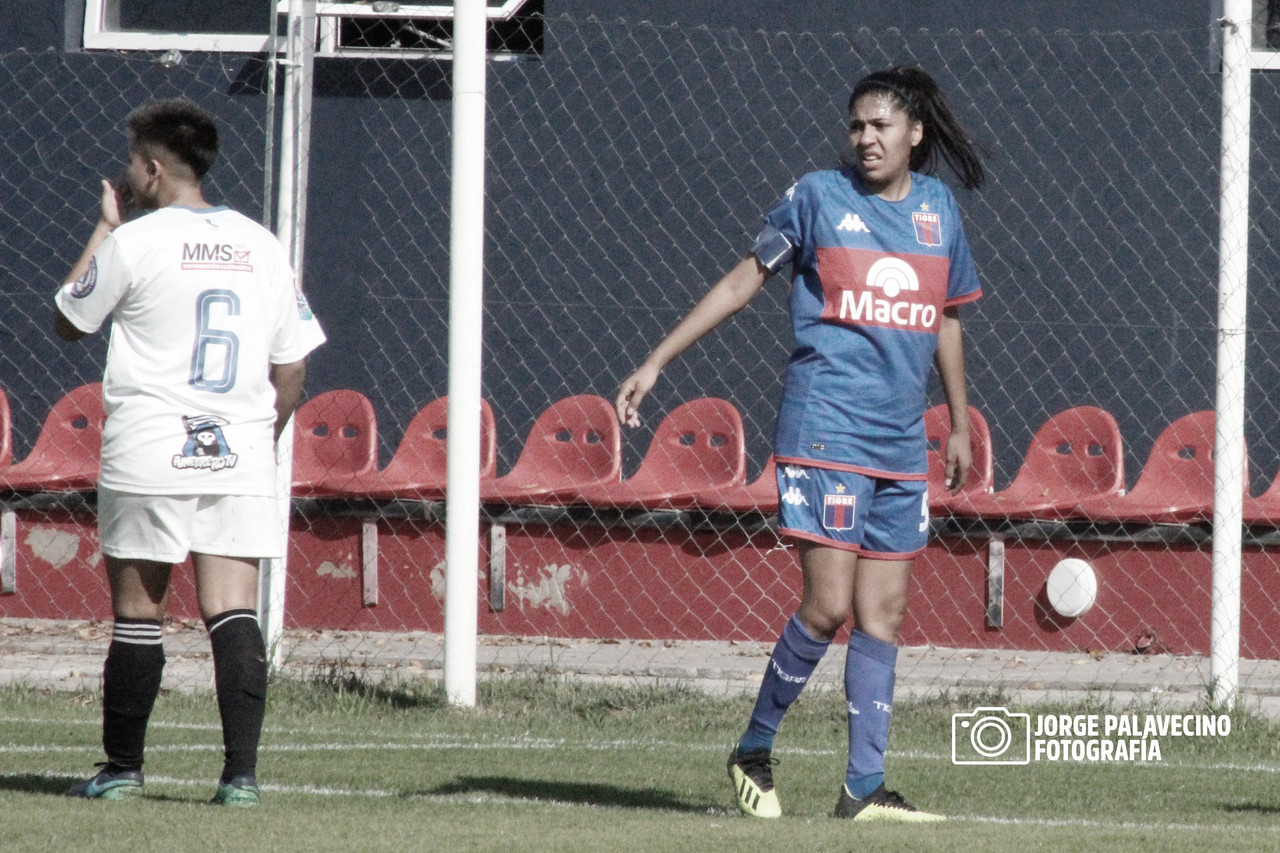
(880, 519)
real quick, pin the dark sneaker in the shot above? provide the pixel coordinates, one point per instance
(882, 804)
(109, 784)
(241, 791)
(752, 776)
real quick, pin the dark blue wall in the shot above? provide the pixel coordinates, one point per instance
(34, 25)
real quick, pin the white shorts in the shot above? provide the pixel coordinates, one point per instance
(166, 528)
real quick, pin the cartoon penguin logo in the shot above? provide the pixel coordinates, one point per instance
(204, 436)
(206, 446)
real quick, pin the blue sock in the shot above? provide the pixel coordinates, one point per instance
(793, 661)
(868, 685)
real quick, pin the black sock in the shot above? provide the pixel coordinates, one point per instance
(130, 684)
(240, 676)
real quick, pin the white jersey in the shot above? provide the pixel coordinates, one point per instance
(202, 303)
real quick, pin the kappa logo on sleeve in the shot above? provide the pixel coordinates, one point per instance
(85, 284)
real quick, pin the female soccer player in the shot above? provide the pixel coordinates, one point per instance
(880, 265)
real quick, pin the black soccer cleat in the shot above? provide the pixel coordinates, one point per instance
(109, 784)
(881, 804)
(241, 791)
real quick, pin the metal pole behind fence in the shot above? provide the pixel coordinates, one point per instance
(1229, 449)
(466, 279)
(269, 142)
(295, 145)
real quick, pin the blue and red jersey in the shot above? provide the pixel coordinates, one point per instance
(870, 279)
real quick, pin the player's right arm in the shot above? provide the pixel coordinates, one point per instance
(65, 329)
(108, 220)
(729, 296)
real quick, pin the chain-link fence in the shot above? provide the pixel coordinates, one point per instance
(628, 167)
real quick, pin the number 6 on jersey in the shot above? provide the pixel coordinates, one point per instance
(205, 374)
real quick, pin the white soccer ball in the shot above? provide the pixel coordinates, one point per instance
(1072, 587)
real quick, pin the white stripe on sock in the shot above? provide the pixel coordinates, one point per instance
(216, 625)
(137, 634)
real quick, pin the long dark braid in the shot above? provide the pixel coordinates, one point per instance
(919, 95)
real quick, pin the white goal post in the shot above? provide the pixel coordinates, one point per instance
(1233, 271)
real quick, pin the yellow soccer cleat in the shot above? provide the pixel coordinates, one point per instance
(882, 804)
(752, 777)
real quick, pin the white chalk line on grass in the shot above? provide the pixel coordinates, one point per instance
(482, 799)
(452, 742)
(529, 743)
(155, 724)
(1085, 823)
(430, 741)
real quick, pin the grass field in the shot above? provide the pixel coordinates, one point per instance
(546, 765)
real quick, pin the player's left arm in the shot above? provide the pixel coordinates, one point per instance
(288, 380)
(949, 359)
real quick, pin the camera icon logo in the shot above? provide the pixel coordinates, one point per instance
(991, 736)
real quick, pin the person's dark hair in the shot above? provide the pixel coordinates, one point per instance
(918, 94)
(179, 127)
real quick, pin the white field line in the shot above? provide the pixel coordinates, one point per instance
(155, 724)
(520, 743)
(552, 744)
(1082, 823)
(384, 793)
(547, 745)
(524, 742)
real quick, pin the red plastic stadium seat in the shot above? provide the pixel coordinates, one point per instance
(1176, 484)
(418, 470)
(937, 429)
(1076, 455)
(574, 444)
(760, 495)
(335, 445)
(1265, 508)
(66, 455)
(697, 447)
